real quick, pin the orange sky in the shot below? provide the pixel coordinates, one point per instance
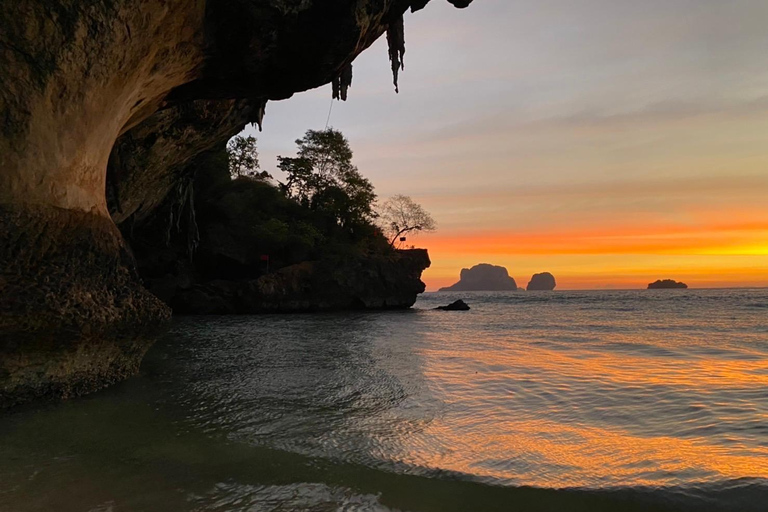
(610, 143)
(708, 249)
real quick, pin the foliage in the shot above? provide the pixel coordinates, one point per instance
(244, 158)
(400, 215)
(323, 178)
(250, 226)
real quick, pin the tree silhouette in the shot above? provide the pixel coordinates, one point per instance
(322, 177)
(400, 215)
(244, 158)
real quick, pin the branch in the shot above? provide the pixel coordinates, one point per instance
(400, 233)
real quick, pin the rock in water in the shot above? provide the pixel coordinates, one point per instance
(666, 284)
(483, 277)
(543, 281)
(458, 305)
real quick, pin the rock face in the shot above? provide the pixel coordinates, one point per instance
(78, 76)
(542, 282)
(374, 282)
(666, 284)
(69, 334)
(483, 277)
(155, 157)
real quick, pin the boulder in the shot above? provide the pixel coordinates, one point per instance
(458, 305)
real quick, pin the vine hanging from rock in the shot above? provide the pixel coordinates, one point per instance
(183, 198)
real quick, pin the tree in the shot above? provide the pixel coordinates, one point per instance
(322, 177)
(400, 215)
(244, 158)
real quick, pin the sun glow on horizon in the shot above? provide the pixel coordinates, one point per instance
(725, 255)
(607, 143)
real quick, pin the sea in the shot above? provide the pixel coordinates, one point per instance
(638, 400)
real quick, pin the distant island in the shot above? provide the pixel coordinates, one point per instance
(666, 284)
(544, 281)
(483, 277)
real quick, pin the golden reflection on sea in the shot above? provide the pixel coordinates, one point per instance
(589, 429)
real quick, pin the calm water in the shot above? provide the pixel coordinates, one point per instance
(633, 400)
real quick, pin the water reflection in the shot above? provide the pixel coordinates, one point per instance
(658, 405)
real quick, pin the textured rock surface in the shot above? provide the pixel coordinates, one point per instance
(483, 277)
(541, 282)
(153, 158)
(76, 76)
(373, 282)
(84, 320)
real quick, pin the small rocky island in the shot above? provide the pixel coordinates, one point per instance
(542, 282)
(481, 278)
(458, 305)
(667, 284)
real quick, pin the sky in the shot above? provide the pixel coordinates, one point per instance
(610, 142)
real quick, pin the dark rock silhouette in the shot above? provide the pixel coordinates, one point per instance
(543, 281)
(373, 282)
(139, 87)
(483, 277)
(458, 305)
(666, 284)
(238, 222)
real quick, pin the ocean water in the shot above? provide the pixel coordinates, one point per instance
(562, 401)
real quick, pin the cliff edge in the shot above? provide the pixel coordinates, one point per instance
(357, 282)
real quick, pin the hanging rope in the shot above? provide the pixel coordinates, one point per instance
(330, 109)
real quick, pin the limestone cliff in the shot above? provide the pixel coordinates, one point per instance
(483, 277)
(357, 282)
(78, 76)
(543, 281)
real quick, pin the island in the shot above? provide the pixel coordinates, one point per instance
(666, 284)
(481, 278)
(542, 282)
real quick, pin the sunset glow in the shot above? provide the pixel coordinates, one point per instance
(549, 136)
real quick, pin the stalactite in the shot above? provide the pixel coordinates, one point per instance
(342, 83)
(261, 109)
(396, 43)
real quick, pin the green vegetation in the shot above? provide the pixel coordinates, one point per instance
(244, 224)
(244, 158)
(250, 222)
(322, 178)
